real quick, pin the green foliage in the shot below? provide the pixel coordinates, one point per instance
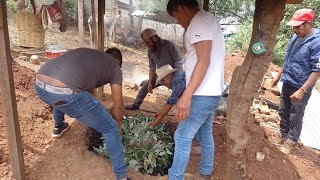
(232, 8)
(151, 5)
(285, 31)
(12, 6)
(148, 149)
(241, 39)
(71, 8)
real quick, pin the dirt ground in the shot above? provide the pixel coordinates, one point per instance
(69, 158)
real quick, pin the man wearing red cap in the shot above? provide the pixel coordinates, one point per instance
(299, 74)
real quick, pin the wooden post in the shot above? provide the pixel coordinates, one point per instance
(139, 26)
(80, 21)
(131, 17)
(94, 24)
(33, 4)
(206, 5)
(101, 11)
(9, 99)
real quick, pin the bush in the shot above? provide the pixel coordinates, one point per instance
(285, 31)
(12, 6)
(71, 8)
(240, 41)
(147, 149)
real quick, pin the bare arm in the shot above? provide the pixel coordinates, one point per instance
(298, 95)
(161, 115)
(203, 50)
(116, 93)
(275, 80)
(152, 79)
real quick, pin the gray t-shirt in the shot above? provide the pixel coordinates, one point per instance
(169, 54)
(83, 69)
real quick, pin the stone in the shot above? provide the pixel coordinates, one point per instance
(275, 91)
(266, 151)
(23, 58)
(131, 85)
(271, 118)
(266, 84)
(257, 121)
(34, 59)
(264, 109)
(260, 156)
(249, 176)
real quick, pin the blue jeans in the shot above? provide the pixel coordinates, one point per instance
(198, 125)
(291, 113)
(142, 93)
(86, 108)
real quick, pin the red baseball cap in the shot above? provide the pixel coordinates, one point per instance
(301, 16)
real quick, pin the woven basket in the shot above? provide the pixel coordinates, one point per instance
(30, 29)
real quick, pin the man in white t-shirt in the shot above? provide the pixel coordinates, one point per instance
(204, 67)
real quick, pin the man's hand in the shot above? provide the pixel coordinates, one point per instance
(183, 108)
(152, 79)
(276, 79)
(154, 123)
(274, 82)
(298, 95)
(157, 115)
(119, 129)
(150, 88)
(116, 93)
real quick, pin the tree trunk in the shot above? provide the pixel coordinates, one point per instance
(205, 5)
(246, 80)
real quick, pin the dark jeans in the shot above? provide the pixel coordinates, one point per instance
(291, 113)
(142, 93)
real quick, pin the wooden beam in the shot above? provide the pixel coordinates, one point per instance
(101, 11)
(9, 99)
(94, 24)
(34, 7)
(80, 21)
(206, 5)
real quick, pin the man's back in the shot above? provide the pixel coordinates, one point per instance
(83, 69)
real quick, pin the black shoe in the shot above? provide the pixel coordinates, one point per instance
(132, 107)
(58, 131)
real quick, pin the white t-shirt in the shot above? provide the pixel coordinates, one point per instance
(204, 26)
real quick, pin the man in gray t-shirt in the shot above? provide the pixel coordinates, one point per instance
(160, 52)
(65, 83)
(83, 69)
